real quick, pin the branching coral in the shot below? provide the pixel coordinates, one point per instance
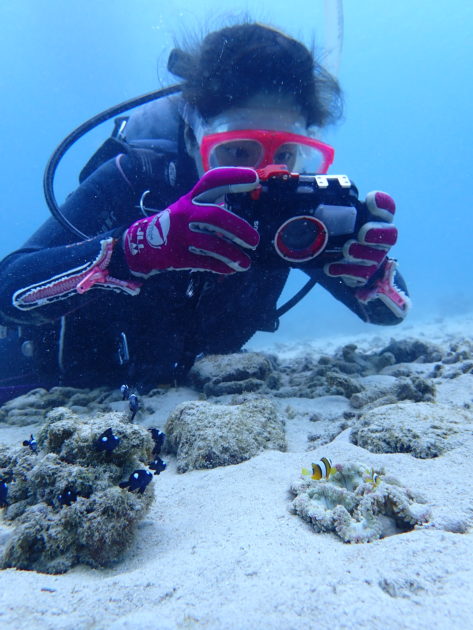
(358, 504)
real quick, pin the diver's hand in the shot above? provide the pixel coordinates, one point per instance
(194, 232)
(364, 256)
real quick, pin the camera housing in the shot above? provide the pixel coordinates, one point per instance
(302, 219)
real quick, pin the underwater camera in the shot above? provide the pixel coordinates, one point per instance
(303, 220)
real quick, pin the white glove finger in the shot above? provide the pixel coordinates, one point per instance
(381, 205)
(220, 181)
(378, 234)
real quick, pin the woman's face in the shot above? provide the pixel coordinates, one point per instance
(261, 112)
(266, 129)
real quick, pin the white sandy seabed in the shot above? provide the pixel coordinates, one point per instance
(220, 550)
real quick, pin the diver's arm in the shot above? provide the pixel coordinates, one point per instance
(40, 286)
(384, 300)
(52, 274)
(108, 198)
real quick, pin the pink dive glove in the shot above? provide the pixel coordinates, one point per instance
(194, 232)
(363, 256)
(385, 289)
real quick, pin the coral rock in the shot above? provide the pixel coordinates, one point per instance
(98, 526)
(423, 429)
(385, 389)
(216, 375)
(32, 407)
(342, 385)
(207, 435)
(407, 350)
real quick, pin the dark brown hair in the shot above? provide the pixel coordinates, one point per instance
(232, 64)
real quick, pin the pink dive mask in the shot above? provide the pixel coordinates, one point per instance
(257, 148)
(257, 137)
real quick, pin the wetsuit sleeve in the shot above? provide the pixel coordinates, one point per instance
(373, 311)
(54, 273)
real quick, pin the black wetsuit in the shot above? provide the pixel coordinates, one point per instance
(108, 335)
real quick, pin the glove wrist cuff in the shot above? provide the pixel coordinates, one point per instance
(383, 287)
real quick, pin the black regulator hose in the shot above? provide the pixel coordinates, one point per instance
(51, 167)
(310, 284)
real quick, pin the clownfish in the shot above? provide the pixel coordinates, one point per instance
(372, 477)
(321, 470)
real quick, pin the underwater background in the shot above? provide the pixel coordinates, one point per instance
(406, 75)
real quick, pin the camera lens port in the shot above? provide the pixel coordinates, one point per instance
(300, 238)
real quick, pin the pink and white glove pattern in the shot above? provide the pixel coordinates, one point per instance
(386, 291)
(195, 232)
(363, 256)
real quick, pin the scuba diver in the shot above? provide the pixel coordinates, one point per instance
(167, 260)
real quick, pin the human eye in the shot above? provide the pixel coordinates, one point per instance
(238, 153)
(286, 154)
(283, 157)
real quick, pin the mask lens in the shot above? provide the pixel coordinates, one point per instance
(236, 153)
(300, 158)
(287, 154)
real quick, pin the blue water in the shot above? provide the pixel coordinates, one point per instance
(406, 73)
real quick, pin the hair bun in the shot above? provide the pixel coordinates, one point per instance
(180, 63)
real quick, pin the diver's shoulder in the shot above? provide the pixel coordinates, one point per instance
(158, 119)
